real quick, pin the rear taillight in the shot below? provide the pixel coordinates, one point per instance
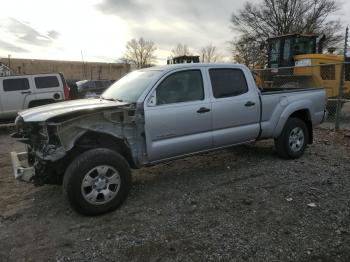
(65, 87)
(66, 92)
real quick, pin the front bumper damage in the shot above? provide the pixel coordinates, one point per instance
(53, 144)
(22, 172)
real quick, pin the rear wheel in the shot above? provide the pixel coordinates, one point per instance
(97, 181)
(293, 139)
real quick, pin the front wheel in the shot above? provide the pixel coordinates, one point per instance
(293, 139)
(97, 181)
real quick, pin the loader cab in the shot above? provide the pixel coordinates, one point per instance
(282, 49)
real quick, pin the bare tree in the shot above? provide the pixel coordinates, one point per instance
(247, 50)
(210, 54)
(278, 17)
(180, 50)
(140, 53)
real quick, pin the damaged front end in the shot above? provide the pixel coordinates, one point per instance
(52, 144)
(43, 149)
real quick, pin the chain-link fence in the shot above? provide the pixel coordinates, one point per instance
(333, 77)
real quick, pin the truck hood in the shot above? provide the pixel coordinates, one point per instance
(44, 113)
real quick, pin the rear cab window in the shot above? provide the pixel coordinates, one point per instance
(16, 84)
(42, 82)
(227, 82)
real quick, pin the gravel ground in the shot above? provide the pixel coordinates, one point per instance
(240, 204)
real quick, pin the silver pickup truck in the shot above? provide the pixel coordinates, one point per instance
(155, 115)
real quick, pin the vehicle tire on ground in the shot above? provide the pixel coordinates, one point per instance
(97, 181)
(293, 139)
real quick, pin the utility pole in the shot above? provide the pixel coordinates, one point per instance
(9, 61)
(82, 59)
(99, 72)
(341, 83)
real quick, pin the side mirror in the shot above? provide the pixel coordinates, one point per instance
(152, 100)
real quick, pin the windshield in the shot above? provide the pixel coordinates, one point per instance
(130, 87)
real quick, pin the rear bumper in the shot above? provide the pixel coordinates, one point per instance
(20, 172)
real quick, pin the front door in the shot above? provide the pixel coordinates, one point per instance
(178, 119)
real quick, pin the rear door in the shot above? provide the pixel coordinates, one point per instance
(48, 87)
(14, 93)
(178, 116)
(236, 108)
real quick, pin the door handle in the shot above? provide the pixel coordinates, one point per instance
(203, 110)
(26, 92)
(249, 103)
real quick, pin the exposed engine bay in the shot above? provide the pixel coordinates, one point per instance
(53, 143)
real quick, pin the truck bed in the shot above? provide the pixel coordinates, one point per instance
(278, 90)
(275, 101)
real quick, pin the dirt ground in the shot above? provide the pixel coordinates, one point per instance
(239, 204)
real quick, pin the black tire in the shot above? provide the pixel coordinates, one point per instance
(81, 166)
(282, 143)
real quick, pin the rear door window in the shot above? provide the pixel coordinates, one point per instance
(46, 82)
(91, 84)
(228, 82)
(99, 84)
(106, 83)
(16, 84)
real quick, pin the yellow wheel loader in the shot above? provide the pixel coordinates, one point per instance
(298, 60)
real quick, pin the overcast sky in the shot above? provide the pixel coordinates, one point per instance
(42, 29)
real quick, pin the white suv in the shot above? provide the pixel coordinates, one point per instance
(26, 91)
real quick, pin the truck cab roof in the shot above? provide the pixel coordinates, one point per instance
(169, 68)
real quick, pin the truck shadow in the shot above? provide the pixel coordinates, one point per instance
(187, 175)
(231, 161)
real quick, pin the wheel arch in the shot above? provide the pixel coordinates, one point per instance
(304, 115)
(300, 110)
(93, 139)
(85, 141)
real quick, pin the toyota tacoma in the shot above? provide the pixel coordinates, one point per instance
(155, 115)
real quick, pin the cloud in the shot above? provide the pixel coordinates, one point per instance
(199, 12)
(25, 34)
(53, 34)
(11, 48)
(125, 8)
(193, 22)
